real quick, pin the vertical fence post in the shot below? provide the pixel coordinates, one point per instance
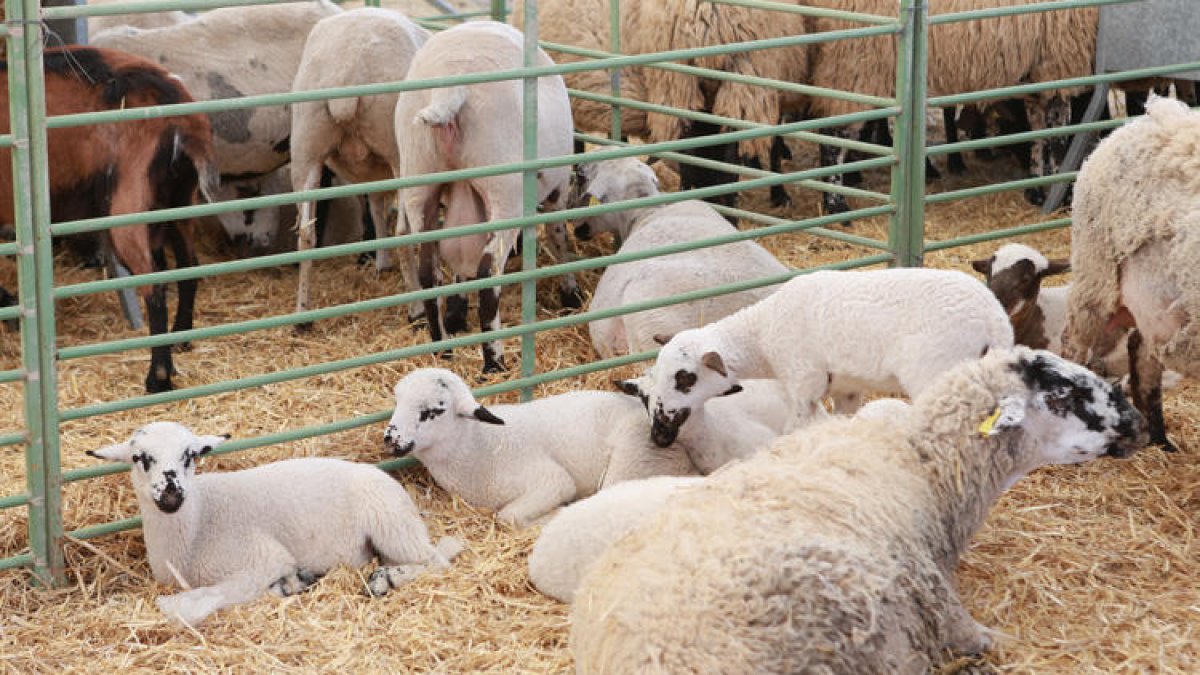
(906, 233)
(499, 11)
(614, 75)
(529, 128)
(31, 185)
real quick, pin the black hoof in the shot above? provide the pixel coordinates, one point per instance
(835, 205)
(779, 197)
(583, 232)
(493, 365)
(182, 347)
(366, 258)
(156, 385)
(570, 298)
(303, 328)
(1035, 196)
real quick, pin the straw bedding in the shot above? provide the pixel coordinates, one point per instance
(1083, 569)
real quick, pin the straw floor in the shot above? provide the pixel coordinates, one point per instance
(1088, 569)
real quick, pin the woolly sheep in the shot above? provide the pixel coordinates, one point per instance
(230, 537)
(478, 125)
(655, 25)
(891, 410)
(963, 56)
(1135, 240)
(233, 52)
(656, 278)
(832, 333)
(798, 560)
(355, 137)
(523, 460)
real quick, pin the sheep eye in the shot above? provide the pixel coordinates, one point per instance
(432, 412)
(143, 459)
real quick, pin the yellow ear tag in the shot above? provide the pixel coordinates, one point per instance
(986, 427)
(594, 202)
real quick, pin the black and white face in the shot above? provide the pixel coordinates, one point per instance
(687, 373)
(1014, 274)
(163, 455)
(429, 403)
(1073, 415)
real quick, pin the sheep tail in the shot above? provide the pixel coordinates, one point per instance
(444, 105)
(342, 110)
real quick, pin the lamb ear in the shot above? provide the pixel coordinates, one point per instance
(1009, 414)
(630, 387)
(1057, 267)
(484, 415)
(662, 338)
(121, 452)
(983, 266)
(202, 445)
(712, 360)
(732, 390)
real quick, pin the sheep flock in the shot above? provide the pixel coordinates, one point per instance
(747, 501)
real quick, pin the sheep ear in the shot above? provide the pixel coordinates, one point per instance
(484, 415)
(983, 266)
(732, 390)
(713, 361)
(1009, 414)
(662, 338)
(629, 387)
(1057, 267)
(202, 445)
(121, 452)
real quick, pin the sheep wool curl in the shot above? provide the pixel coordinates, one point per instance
(799, 561)
(1139, 191)
(649, 26)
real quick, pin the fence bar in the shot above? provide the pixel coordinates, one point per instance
(529, 198)
(1029, 8)
(83, 11)
(998, 234)
(906, 233)
(9, 249)
(13, 501)
(94, 531)
(23, 560)
(956, 195)
(1019, 91)
(14, 438)
(871, 19)
(614, 74)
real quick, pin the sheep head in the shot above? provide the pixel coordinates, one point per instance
(610, 181)
(163, 456)
(428, 401)
(1014, 274)
(688, 372)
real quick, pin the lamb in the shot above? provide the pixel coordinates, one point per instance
(798, 560)
(1015, 273)
(832, 333)
(124, 168)
(963, 56)
(477, 125)
(656, 278)
(653, 26)
(229, 53)
(523, 460)
(1135, 242)
(230, 537)
(355, 137)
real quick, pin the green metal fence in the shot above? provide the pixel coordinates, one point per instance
(42, 361)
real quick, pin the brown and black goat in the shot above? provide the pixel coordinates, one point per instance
(123, 167)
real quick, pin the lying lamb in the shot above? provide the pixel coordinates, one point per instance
(798, 560)
(277, 527)
(524, 460)
(832, 333)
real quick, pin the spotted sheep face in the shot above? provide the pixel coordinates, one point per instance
(686, 374)
(428, 401)
(1014, 274)
(1071, 414)
(163, 455)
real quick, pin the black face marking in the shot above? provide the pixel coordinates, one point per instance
(142, 458)
(430, 412)
(1065, 395)
(684, 381)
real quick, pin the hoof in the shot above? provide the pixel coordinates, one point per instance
(155, 385)
(365, 258)
(583, 232)
(779, 197)
(303, 328)
(493, 365)
(182, 347)
(570, 298)
(956, 166)
(1035, 196)
(835, 206)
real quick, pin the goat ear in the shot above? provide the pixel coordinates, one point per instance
(1057, 267)
(121, 452)
(983, 266)
(1009, 414)
(630, 387)
(202, 445)
(662, 338)
(732, 390)
(484, 415)
(712, 360)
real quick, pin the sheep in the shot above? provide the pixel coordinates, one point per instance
(610, 181)
(657, 25)
(892, 410)
(963, 56)
(230, 537)
(230, 53)
(656, 278)
(471, 126)
(518, 460)
(1135, 241)
(835, 550)
(355, 137)
(579, 533)
(1015, 273)
(98, 24)
(123, 168)
(835, 333)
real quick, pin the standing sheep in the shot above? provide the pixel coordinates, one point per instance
(835, 551)
(278, 527)
(477, 125)
(355, 137)
(655, 278)
(1135, 243)
(523, 460)
(832, 333)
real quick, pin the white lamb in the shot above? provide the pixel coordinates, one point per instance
(835, 550)
(524, 460)
(654, 278)
(233, 536)
(832, 333)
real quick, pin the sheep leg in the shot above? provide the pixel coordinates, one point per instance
(779, 152)
(832, 202)
(428, 273)
(377, 205)
(455, 320)
(1046, 154)
(964, 635)
(954, 162)
(1145, 383)
(294, 583)
(306, 239)
(185, 256)
(806, 391)
(692, 176)
(550, 492)
(569, 295)
(489, 317)
(408, 265)
(321, 218)
(192, 607)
